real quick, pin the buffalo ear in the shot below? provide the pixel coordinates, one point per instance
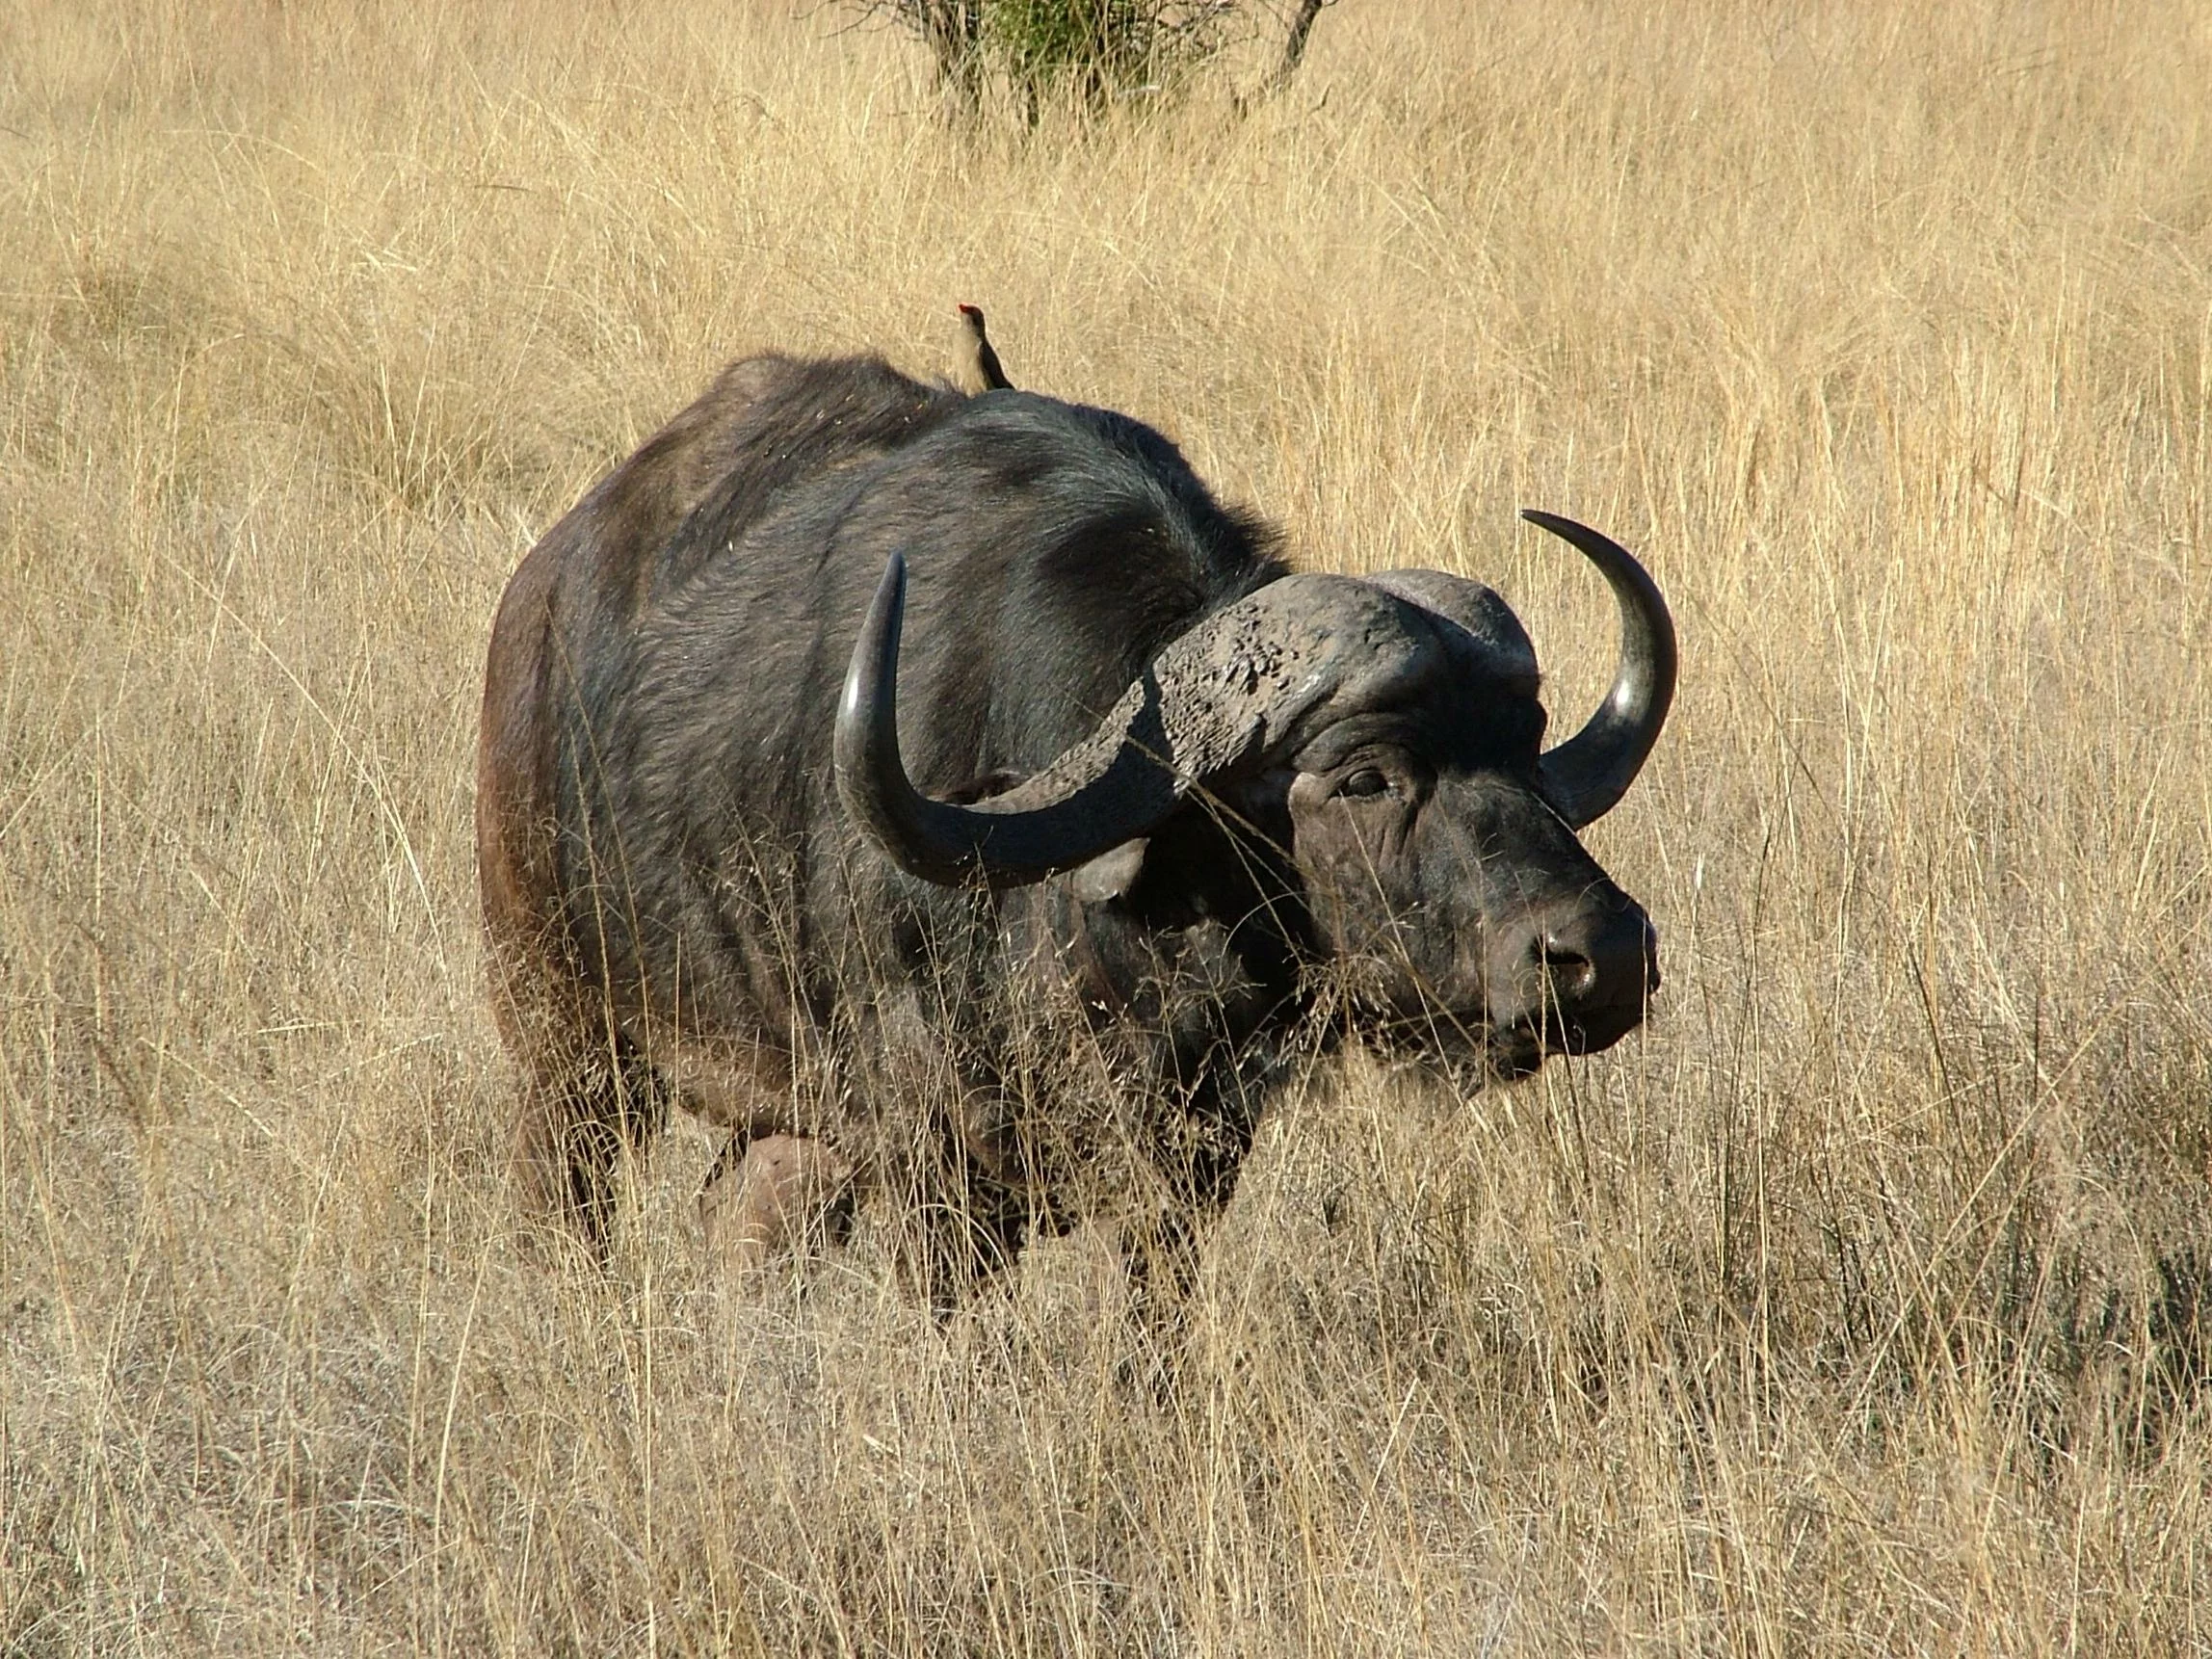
(982, 787)
(1112, 874)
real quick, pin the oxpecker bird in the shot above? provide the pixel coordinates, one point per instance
(983, 371)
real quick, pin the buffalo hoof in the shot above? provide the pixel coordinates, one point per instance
(783, 1190)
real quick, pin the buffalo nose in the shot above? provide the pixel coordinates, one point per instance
(1600, 956)
(1570, 971)
(1595, 969)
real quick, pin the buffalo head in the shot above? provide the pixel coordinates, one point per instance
(1386, 735)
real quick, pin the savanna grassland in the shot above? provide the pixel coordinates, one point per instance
(1862, 1304)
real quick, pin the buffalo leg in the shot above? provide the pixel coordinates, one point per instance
(578, 1122)
(771, 1193)
(1160, 1251)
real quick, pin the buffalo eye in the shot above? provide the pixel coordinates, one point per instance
(1366, 782)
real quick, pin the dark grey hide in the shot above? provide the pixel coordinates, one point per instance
(1118, 814)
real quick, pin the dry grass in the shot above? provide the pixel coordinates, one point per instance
(1860, 1306)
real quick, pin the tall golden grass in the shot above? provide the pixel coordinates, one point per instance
(1859, 1304)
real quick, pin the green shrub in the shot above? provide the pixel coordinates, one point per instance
(1094, 52)
(1096, 48)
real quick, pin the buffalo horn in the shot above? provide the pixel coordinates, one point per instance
(1214, 695)
(1586, 777)
(1096, 796)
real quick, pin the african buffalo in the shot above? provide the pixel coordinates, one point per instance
(1007, 887)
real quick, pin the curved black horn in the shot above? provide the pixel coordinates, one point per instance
(1215, 698)
(1587, 775)
(1100, 794)
(871, 775)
